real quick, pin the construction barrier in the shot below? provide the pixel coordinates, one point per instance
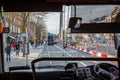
(88, 51)
(103, 55)
(94, 53)
(82, 49)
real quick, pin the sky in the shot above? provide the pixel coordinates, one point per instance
(86, 12)
(52, 22)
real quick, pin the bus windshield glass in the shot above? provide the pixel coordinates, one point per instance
(45, 34)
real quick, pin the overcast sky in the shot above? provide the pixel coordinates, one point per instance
(52, 22)
(86, 12)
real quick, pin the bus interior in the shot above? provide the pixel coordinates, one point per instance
(86, 17)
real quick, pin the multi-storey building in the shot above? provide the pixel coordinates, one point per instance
(116, 14)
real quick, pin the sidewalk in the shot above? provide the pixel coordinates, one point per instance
(20, 60)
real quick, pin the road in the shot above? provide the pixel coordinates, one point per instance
(58, 51)
(49, 51)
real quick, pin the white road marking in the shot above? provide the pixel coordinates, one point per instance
(70, 55)
(83, 63)
(92, 61)
(62, 50)
(49, 54)
(95, 62)
(83, 56)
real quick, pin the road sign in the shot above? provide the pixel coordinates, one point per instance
(23, 30)
(23, 34)
(28, 31)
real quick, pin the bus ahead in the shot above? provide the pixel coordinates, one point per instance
(50, 39)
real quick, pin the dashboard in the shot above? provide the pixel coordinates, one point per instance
(101, 71)
(84, 73)
(80, 73)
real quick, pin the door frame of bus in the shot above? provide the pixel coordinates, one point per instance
(1, 53)
(1, 41)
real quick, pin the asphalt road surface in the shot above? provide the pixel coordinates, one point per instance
(58, 51)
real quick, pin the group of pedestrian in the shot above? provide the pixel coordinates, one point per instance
(16, 47)
(36, 42)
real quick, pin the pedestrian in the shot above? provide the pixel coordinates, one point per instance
(23, 49)
(17, 49)
(14, 45)
(8, 51)
(32, 43)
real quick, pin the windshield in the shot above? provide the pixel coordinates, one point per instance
(44, 34)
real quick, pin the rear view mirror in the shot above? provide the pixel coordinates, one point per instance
(75, 22)
(76, 26)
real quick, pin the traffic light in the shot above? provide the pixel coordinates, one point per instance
(1, 27)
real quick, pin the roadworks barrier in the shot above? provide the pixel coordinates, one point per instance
(92, 52)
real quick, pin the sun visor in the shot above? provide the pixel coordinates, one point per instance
(47, 5)
(30, 6)
(84, 2)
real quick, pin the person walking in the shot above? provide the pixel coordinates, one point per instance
(14, 45)
(17, 49)
(8, 51)
(32, 43)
